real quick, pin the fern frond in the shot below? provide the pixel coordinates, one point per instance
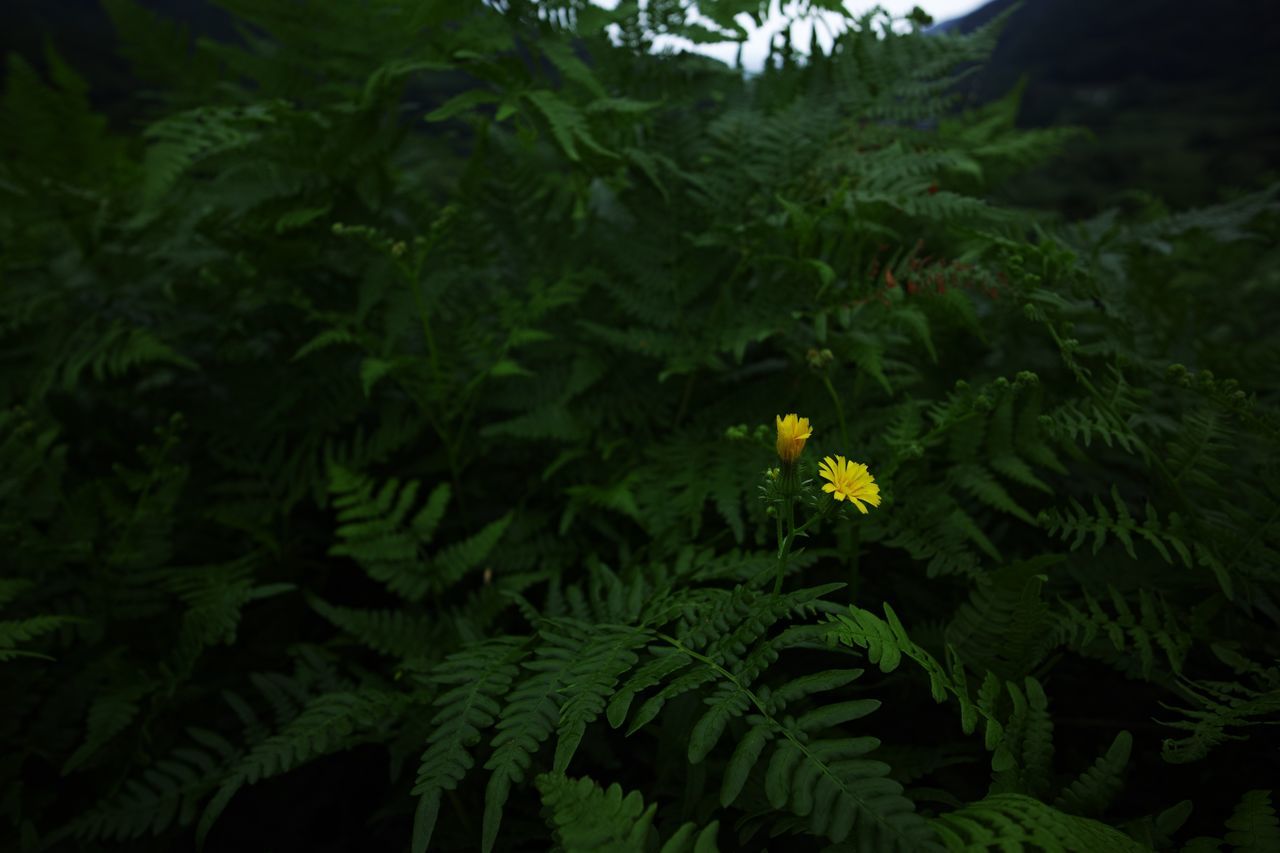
(1082, 421)
(1153, 628)
(1253, 825)
(17, 632)
(378, 532)
(583, 816)
(1220, 708)
(215, 597)
(1004, 627)
(473, 681)
(165, 793)
(109, 714)
(1016, 822)
(328, 723)
(395, 633)
(826, 781)
(182, 140)
(721, 632)
(575, 668)
(1096, 788)
(1077, 521)
(1024, 758)
(1018, 734)
(50, 129)
(112, 352)
(158, 50)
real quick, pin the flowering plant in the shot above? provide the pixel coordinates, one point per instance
(847, 481)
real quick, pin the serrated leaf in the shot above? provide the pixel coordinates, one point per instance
(840, 712)
(462, 103)
(744, 758)
(509, 367)
(371, 371)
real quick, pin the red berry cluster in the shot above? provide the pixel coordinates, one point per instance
(926, 275)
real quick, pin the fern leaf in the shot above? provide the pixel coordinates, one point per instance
(1095, 788)
(1101, 524)
(1221, 708)
(330, 722)
(14, 632)
(568, 125)
(575, 669)
(166, 792)
(586, 817)
(1029, 730)
(1253, 825)
(474, 678)
(452, 563)
(390, 632)
(1004, 627)
(1016, 822)
(377, 531)
(110, 714)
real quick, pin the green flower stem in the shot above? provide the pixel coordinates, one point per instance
(784, 543)
(854, 541)
(778, 518)
(835, 399)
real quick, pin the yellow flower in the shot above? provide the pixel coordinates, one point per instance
(850, 481)
(793, 431)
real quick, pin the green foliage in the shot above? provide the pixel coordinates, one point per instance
(386, 396)
(1150, 633)
(1096, 787)
(1253, 826)
(1015, 822)
(330, 722)
(585, 817)
(167, 792)
(1219, 707)
(378, 534)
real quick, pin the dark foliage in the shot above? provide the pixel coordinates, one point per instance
(368, 480)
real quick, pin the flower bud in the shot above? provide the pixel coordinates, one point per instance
(793, 432)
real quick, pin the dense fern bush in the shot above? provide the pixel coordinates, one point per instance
(390, 421)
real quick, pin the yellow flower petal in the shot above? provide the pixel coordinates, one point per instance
(793, 431)
(850, 481)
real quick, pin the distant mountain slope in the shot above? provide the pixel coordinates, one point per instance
(1182, 94)
(82, 33)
